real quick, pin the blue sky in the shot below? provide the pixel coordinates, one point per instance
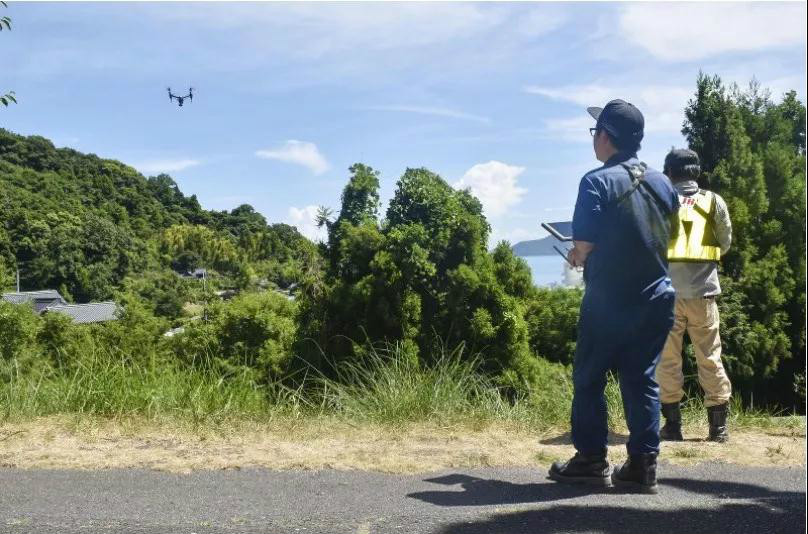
(490, 96)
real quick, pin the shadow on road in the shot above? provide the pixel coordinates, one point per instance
(482, 492)
(762, 510)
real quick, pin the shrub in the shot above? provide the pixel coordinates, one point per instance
(253, 332)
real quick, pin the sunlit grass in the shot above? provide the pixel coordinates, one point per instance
(386, 388)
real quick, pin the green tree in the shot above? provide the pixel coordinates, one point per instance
(753, 154)
(421, 278)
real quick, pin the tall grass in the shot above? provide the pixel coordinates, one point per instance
(152, 388)
(389, 388)
(385, 388)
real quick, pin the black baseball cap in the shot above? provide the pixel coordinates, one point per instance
(621, 119)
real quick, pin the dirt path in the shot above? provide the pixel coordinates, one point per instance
(58, 444)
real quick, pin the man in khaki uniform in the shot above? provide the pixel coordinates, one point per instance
(704, 234)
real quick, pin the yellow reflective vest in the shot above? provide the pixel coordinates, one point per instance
(695, 238)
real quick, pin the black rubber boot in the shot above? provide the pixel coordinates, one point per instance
(638, 474)
(672, 431)
(591, 469)
(717, 417)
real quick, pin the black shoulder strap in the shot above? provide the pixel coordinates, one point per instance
(637, 174)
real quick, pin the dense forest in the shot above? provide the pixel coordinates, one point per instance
(419, 276)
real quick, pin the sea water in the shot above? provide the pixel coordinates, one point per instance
(552, 271)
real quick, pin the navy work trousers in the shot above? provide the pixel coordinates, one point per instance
(628, 339)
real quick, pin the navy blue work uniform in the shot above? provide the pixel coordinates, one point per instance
(627, 308)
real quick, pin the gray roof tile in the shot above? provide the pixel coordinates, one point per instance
(28, 296)
(94, 312)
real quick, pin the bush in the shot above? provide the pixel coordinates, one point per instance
(62, 342)
(164, 291)
(18, 329)
(552, 319)
(254, 333)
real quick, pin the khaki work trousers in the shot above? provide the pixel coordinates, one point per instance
(699, 317)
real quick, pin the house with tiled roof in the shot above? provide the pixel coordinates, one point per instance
(50, 301)
(93, 312)
(39, 300)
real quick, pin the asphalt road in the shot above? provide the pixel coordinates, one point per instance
(706, 499)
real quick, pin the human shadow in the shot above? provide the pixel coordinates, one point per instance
(764, 510)
(483, 492)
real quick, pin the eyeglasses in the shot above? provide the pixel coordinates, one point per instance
(593, 131)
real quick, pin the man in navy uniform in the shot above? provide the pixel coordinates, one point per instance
(621, 230)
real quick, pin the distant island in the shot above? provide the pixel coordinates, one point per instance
(536, 247)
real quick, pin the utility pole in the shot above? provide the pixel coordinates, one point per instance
(205, 295)
(18, 279)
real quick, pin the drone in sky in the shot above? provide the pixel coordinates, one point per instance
(181, 99)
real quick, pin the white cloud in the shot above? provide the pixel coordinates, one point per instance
(320, 29)
(440, 112)
(349, 41)
(302, 43)
(300, 152)
(661, 105)
(494, 184)
(165, 165)
(305, 219)
(689, 31)
(326, 26)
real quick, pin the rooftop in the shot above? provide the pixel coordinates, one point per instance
(95, 312)
(26, 296)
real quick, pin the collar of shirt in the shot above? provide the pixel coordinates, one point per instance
(620, 157)
(687, 187)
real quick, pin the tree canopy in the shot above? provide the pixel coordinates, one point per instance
(753, 155)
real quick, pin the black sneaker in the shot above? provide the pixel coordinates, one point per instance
(591, 469)
(638, 474)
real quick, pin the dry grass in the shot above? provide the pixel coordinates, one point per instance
(60, 442)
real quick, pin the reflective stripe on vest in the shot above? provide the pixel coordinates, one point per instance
(695, 239)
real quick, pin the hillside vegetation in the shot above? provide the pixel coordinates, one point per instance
(408, 303)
